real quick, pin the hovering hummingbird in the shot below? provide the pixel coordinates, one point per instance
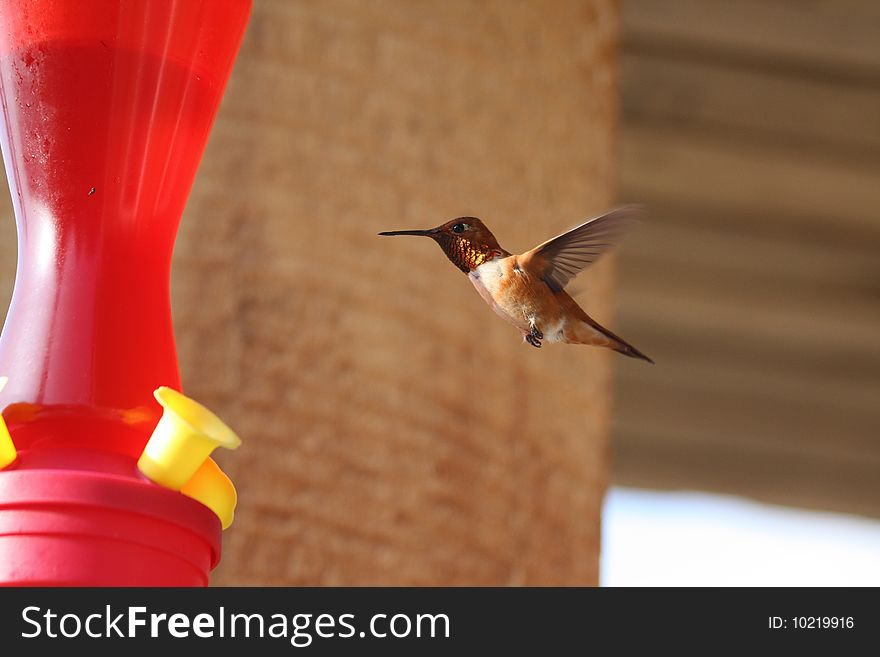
(528, 289)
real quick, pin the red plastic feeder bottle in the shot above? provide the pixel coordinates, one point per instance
(107, 105)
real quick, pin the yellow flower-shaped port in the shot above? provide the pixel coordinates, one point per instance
(7, 448)
(210, 486)
(185, 436)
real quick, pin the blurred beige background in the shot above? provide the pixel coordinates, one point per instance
(396, 431)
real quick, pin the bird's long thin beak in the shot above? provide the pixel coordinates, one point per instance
(423, 233)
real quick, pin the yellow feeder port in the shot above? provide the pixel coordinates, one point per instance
(185, 436)
(210, 486)
(7, 448)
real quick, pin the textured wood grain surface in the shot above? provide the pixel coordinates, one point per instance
(752, 131)
(395, 430)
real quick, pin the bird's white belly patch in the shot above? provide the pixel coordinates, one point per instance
(489, 275)
(553, 332)
(487, 280)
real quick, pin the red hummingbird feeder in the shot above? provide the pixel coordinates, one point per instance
(107, 106)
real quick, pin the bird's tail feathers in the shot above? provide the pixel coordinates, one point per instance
(593, 333)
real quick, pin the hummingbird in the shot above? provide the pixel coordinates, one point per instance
(528, 289)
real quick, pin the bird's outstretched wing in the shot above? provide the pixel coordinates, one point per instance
(562, 258)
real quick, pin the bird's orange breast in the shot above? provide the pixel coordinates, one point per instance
(516, 294)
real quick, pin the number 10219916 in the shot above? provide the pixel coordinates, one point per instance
(811, 623)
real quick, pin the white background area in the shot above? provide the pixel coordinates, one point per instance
(652, 538)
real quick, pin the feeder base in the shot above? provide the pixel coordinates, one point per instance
(79, 528)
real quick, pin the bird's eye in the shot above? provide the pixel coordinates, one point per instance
(458, 228)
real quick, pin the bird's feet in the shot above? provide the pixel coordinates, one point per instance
(534, 338)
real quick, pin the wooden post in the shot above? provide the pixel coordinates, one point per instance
(396, 431)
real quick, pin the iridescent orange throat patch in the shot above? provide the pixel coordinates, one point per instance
(464, 254)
